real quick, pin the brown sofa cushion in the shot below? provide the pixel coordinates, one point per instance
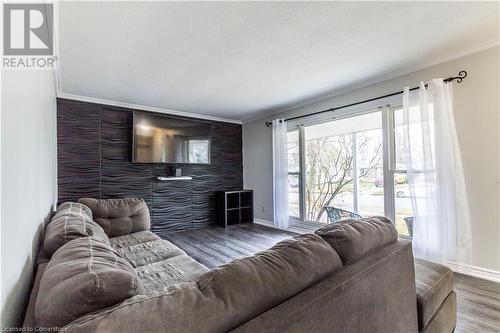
(434, 283)
(71, 208)
(445, 318)
(225, 297)
(119, 216)
(159, 276)
(354, 238)
(64, 228)
(83, 276)
(132, 239)
(150, 252)
(29, 323)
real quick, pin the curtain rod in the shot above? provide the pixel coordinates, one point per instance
(461, 75)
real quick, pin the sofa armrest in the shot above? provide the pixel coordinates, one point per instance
(29, 323)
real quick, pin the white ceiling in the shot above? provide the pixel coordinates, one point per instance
(239, 60)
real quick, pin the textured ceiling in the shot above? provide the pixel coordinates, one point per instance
(239, 60)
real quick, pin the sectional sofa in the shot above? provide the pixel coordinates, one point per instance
(100, 269)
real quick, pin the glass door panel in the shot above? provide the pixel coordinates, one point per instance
(415, 129)
(293, 173)
(370, 167)
(402, 204)
(344, 167)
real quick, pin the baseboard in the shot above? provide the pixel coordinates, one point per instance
(266, 223)
(271, 225)
(482, 273)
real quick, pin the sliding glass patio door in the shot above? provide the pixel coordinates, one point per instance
(346, 167)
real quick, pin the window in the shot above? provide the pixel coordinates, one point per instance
(293, 173)
(403, 210)
(350, 167)
(343, 161)
(402, 199)
(197, 151)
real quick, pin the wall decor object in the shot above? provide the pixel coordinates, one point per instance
(94, 160)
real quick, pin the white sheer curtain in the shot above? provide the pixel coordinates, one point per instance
(441, 230)
(280, 173)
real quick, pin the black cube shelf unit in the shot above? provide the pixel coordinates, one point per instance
(234, 207)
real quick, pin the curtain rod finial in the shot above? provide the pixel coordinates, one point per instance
(461, 75)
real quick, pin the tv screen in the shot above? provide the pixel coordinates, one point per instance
(165, 139)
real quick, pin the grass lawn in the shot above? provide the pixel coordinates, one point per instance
(401, 225)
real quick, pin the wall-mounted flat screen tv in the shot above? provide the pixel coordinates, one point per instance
(159, 138)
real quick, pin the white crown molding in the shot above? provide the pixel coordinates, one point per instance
(61, 94)
(145, 108)
(366, 83)
(259, 115)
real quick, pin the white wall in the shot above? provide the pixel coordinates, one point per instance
(478, 123)
(28, 180)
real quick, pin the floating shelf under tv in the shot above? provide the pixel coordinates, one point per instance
(163, 179)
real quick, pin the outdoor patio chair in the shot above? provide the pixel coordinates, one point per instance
(409, 225)
(338, 214)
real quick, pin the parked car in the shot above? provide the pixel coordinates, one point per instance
(400, 179)
(404, 192)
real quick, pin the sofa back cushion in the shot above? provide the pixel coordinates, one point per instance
(252, 285)
(83, 276)
(352, 239)
(66, 227)
(73, 208)
(119, 217)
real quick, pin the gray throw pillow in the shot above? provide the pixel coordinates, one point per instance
(83, 276)
(354, 238)
(119, 217)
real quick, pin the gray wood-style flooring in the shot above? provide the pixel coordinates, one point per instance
(478, 300)
(214, 246)
(478, 304)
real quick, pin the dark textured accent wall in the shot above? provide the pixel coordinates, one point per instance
(94, 160)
